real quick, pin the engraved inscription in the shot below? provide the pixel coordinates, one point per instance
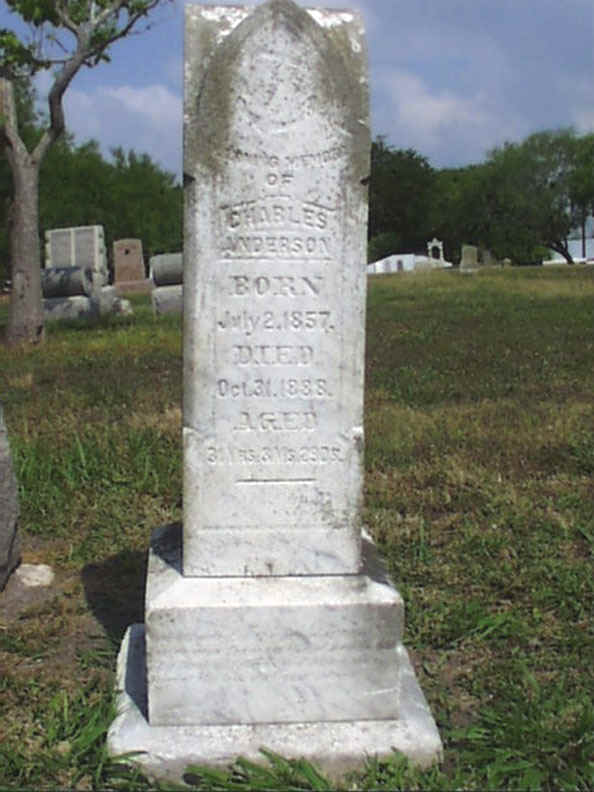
(318, 159)
(272, 228)
(275, 285)
(276, 226)
(275, 212)
(268, 246)
(268, 388)
(274, 455)
(277, 148)
(296, 321)
(276, 422)
(271, 355)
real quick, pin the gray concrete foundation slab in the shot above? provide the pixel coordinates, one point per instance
(164, 752)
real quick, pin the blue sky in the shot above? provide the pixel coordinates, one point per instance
(449, 78)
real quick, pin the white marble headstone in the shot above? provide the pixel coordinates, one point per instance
(276, 156)
(271, 623)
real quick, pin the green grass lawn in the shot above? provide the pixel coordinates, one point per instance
(479, 490)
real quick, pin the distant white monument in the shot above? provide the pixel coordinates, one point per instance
(411, 262)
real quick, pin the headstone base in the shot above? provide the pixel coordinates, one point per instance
(144, 286)
(167, 299)
(308, 667)
(164, 752)
(231, 650)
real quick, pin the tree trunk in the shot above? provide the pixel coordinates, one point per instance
(25, 315)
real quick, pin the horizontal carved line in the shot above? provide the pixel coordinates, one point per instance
(277, 481)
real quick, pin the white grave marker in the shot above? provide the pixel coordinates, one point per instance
(270, 623)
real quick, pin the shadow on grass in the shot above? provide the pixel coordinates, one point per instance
(114, 590)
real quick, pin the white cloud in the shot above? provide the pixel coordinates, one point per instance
(155, 103)
(419, 109)
(147, 119)
(447, 127)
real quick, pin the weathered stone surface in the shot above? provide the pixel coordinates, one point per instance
(167, 269)
(122, 307)
(269, 649)
(487, 258)
(168, 299)
(67, 282)
(10, 542)
(77, 307)
(106, 298)
(80, 246)
(276, 158)
(469, 260)
(35, 575)
(164, 752)
(128, 262)
(269, 623)
(135, 287)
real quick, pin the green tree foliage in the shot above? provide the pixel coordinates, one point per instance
(527, 196)
(457, 207)
(150, 203)
(524, 199)
(131, 196)
(534, 193)
(400, 194)
(581, 184)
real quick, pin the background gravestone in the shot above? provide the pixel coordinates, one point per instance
(128, 263)
(167, 274)
(10, 543)
(79, 246)
(128, 267)
(469, 259)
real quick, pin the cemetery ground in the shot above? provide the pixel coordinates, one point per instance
(479, 490)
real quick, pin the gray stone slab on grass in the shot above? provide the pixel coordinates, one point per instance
(167, 269)
(469, 260)
(80, 246)
(77, 307)
(167, 299)
(10, 541)
(67, 282)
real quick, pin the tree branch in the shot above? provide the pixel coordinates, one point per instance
(88, 52)
(9, 130)
(65, 19)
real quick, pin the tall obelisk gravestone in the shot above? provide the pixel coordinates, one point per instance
(267, 623)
